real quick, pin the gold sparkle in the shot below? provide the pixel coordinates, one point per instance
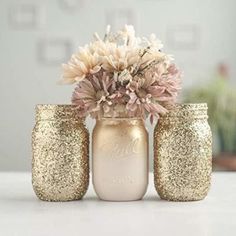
(60, 148)
(183, 153)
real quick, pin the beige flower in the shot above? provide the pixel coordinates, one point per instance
(153, 42)
(124, 77)
(81, 64)
(127, 34)
(119, 58)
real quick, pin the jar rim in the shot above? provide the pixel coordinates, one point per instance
(119, 118)
(190, 105)
(186, 110)
(54, 111)
(51, 105)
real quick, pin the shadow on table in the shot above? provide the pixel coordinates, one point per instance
(33, 199)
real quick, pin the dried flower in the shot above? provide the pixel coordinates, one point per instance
(122, 75)
(82, 64)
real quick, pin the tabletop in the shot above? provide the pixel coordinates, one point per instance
(21, 213)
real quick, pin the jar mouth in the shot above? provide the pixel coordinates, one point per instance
(57, 112)
(186, 110)
(52, 106)
(189, 106)
(120, 118)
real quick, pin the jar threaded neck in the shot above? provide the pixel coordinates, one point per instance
(55, 112)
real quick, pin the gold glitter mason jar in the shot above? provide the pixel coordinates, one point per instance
(183, 153)
(60, 146)
(120, 159)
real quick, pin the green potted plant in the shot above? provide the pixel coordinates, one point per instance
(221, 99)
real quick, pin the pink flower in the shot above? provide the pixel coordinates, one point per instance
(142, 102)
(147, 93)
(91, 94)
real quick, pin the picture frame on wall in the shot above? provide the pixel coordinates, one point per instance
(183, 37)
(53, 51)
(25, 16)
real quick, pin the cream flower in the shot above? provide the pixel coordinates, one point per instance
(153, 42)
(81, 64)
(119, 58)
(128, 36)
(124, 77)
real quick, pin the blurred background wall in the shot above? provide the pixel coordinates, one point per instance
(37, 36)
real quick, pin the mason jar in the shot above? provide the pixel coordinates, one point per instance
(120, 159)
(183, 153)
(60, 148)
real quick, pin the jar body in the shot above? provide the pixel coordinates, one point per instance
(120, 159)
(60, 147)
(183, 154)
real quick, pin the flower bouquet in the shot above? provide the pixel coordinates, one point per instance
(122, 75)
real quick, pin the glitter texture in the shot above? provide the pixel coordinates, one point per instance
(60, 146)
(183, 153)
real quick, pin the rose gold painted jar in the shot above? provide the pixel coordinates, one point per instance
(120, 159)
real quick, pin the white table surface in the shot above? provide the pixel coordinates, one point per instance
(21, 213)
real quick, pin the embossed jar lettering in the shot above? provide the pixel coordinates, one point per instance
(128, 150)
(60, 146)
(120, 159)
(183, 153)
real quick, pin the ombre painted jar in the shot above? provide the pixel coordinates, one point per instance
(60, 148)
(120, 159)
(183, 153)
